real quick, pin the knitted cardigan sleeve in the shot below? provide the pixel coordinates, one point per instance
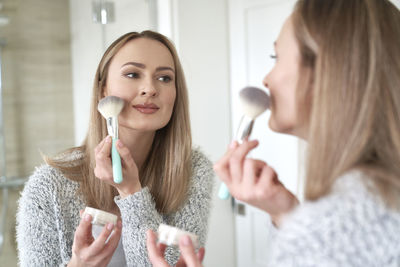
(37, 231)
(138, 214)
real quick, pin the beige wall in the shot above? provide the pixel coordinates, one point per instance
(37, 92)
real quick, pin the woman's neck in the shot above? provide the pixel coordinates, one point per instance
(138, 143)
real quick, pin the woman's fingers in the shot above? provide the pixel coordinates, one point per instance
(188, 253)
(155, 255)
(125, 154)
(252, 169)
(230, 167)
(103, 168)
(237, 159)
(161, 247)
(83, 234)
(100, 242)
(132, 183)
(268, 177)
(90, 251)
(112, 243)
(105, 151)
(100, 145)
(200, 254)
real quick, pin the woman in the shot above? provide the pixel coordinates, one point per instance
(165, 181)
(336, 84)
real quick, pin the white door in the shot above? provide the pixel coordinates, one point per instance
(254, 26)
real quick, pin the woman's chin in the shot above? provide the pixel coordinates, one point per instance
(143, 127)
(295, 130)
(278, 127)
(273, 125)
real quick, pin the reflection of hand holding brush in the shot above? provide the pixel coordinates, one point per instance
(110, 107)
(254, 101)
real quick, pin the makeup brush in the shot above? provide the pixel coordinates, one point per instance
(254, 101)
(110, 107)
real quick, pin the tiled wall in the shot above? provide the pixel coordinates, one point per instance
(37, 92)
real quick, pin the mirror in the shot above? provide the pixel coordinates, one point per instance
(49, 50)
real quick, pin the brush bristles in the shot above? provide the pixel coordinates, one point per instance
(110, 106)
(254, 101)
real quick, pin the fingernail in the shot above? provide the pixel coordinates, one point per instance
(186, 240)
(88, 217)
(110, 226)
(108, 139)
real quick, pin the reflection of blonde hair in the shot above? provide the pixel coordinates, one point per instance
(167, 168)
(353, 51)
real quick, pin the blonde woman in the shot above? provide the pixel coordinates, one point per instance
(165, 180)
(336, 84)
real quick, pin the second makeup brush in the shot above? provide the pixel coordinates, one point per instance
(254, 101)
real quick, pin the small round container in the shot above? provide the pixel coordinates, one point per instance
(170, 236)
(100, 217)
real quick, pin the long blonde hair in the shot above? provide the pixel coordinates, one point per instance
(167, 169)
(353, 51)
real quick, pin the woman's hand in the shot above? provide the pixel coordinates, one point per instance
(103, 169)
(87, 251)
(254, 182)
(188, 258)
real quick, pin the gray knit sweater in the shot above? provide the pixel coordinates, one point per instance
(48, 215)
(348, 227)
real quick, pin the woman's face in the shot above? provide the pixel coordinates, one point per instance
(142, 73)
(282, 83)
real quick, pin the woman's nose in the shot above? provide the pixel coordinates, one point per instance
(148, 90)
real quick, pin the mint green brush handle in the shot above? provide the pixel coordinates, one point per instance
(116, 163)
(223, 192)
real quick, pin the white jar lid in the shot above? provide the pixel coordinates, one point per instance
(170, 235)
(100, 217)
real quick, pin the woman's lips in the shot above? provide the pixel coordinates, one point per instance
(146, 108)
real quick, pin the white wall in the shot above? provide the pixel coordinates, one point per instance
(88, 42)
(199, 30)
(201, 34)
(396, 3)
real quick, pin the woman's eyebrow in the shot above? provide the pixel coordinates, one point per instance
(165, 68)
(139, 65)
(143, 66)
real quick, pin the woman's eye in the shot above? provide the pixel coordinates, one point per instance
(165, 79)
(132, 75)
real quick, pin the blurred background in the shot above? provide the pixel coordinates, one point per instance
(37, 105)
(49, 51)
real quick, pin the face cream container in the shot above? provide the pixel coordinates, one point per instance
(100, 217)
(170, 236)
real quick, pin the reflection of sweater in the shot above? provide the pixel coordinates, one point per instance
(49, 214)
(348, 227)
